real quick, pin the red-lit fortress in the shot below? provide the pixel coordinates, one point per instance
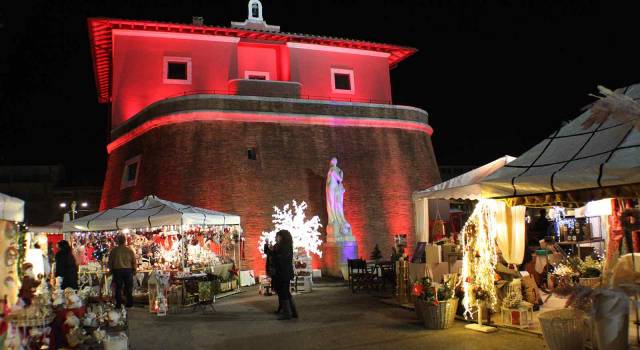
(243, 118)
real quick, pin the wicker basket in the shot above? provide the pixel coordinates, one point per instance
(564, 329)
(590, 282)
(439, 316)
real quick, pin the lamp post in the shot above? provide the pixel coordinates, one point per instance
(71, 214)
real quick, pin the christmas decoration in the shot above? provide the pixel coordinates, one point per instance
(304, 232)
(479, 257)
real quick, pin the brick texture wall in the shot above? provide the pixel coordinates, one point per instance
(205, 164)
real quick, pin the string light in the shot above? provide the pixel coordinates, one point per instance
(480, 256)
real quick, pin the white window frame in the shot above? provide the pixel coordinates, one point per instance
(349, 72)
(165, 70)
(130, 183)
(247, 73)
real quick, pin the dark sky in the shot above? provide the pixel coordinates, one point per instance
(495, 76)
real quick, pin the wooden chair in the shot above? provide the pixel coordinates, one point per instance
(388, 272)
(358, 274)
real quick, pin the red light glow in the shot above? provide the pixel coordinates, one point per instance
(267, 118)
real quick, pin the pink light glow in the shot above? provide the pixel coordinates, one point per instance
(266, 118)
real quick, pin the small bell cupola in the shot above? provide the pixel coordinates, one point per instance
(255, 19)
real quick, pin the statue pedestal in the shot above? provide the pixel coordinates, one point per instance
(335, 256)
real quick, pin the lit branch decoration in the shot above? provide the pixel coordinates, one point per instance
(479, 256)
(304, 232)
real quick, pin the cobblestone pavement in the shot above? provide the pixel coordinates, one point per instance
(330, 318)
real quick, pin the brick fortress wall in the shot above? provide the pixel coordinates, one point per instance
(205, 163)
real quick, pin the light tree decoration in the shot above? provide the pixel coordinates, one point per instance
(304, 232)
(480, 257)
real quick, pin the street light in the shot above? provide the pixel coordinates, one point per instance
(73, 210)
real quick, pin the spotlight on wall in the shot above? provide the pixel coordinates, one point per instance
(84, 204)
(63, 205)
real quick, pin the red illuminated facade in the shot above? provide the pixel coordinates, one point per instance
(244, 118)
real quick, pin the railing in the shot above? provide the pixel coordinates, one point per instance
(269, 94)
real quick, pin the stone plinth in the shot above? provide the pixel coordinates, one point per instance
(335, 256)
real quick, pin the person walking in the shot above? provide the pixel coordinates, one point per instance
(66, 266)
(122, 264)
(282, 272)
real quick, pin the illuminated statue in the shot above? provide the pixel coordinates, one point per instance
(338, 228)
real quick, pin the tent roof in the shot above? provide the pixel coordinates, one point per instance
(465, 186)
(11, 208)
(582, 161)
(148, 212)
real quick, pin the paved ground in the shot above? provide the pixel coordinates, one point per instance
(330, 318)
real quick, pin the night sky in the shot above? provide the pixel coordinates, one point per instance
(495, 76)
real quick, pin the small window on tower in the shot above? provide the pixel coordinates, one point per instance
(130, 173)
(254, 75)
(251, 153)
(177, 70)
(342, 80)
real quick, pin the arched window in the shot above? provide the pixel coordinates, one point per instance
(255, 10)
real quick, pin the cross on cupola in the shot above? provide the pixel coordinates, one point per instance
(255, 20)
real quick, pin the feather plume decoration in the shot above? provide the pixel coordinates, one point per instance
(614, 105)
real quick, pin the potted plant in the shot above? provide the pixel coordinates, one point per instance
(435, 304)
(590, 272)
(563, 278)
(376, 254)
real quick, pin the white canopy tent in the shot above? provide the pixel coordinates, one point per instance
(465, 186)
(433, 202)
(11, 208)
(148, 212)
(596, 155)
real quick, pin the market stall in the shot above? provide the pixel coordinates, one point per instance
(185, 254)
(431, 203)
(594, 157)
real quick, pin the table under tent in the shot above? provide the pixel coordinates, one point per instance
(595, 157)
(186, 255)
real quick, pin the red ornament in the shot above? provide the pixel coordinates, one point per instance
(418, 289)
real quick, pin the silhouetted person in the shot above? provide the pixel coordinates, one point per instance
(122, 264)
(282, 270)
(541, 225)
(66, 266)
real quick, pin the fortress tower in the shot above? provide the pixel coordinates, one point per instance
(243, 118)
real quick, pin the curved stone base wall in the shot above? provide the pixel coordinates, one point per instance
(206, 164)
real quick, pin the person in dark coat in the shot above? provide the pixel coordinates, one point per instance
(271, 270)
(281, 269)
(66, 266)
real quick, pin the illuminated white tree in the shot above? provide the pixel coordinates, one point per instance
(304, 232)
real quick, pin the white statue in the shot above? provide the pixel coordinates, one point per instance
(338, 228)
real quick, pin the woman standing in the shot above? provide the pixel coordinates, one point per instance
(66, 266)
(281, 266)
